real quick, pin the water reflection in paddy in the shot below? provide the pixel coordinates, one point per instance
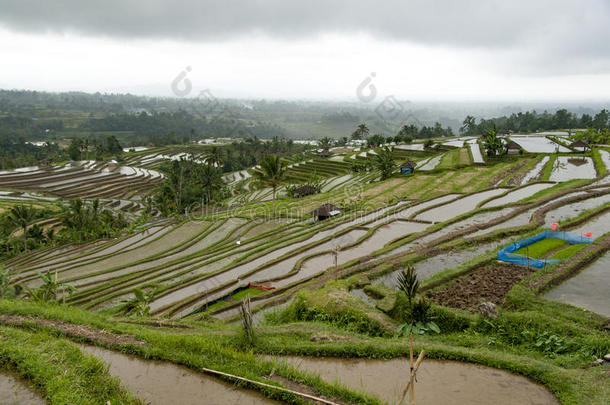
(438, 382)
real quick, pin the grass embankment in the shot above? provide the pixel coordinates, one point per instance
(59, 370)
(548, 343)
(203, 345)
(600, 166)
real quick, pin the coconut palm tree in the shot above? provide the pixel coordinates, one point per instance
(272, 173)
(325, 143)
(21, 215)
(385, 162)
(361, 131)
(214, 157)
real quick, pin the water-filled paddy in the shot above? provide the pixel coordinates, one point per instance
(588, 289)
(538, 144)
(536, 171)
(568, 168)
(13, 390)
(458, 207)
(430, 164)
(438, 382)
(163, 383)
(517, 195)
(477, 157)
(572, 210)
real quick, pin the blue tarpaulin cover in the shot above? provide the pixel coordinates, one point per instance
(507, 254)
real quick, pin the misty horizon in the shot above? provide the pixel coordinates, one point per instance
(518, 52)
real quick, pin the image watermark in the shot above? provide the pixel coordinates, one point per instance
(388, 109)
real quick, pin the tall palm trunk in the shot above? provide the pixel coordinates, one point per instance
(273, 202)
(25, 239)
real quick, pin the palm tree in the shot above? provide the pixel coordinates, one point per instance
(22, 215)
(325, 143)
(385, 162)
(361, 132)
(214, 157)
(272, 174)
(493, 144)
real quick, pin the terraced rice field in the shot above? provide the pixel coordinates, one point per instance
(198, 264)
(83, 180)
(538, 144)
(448, 222)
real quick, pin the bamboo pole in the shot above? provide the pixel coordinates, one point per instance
(420, 358)
(411, 373)
(275, 387)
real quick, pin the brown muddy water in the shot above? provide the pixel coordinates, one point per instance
(438, 382)
(162, 383)
(15, 391)
(588, 289)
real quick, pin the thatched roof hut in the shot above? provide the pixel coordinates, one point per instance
(512, 147)
(407, 167)
(580, 146)
(325, 211)
(324, 153)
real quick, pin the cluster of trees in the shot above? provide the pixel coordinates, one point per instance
(83, 221)
(242, 155)
(16, 152)
(86, 149)
(406, 134)
(187, 186)
(532, 121)
(80, 222)
(594, 136)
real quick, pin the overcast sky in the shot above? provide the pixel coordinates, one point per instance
(316, 49)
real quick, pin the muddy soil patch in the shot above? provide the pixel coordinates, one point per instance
(490, 283)
(73, 330)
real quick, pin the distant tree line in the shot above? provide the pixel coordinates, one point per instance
(16, 152)
(531, 121)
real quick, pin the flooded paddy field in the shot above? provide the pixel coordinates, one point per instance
(517, 195)
(458, 207)
(569, 168)
(536, 172)
(573, 209)
(438, 382)
(588, 289)
(15, 391)
(162, 383)
(429, 267)
(538, 144)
